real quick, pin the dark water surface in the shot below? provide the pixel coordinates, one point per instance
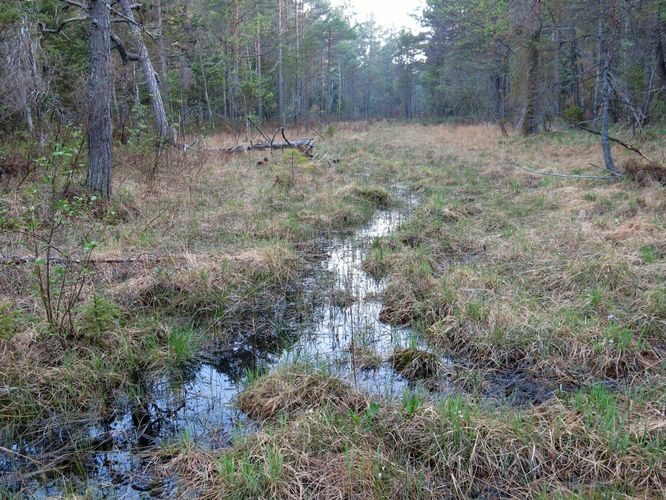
(198, 404)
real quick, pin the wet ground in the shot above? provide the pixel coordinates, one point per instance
(331, 321)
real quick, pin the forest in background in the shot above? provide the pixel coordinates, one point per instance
(216, 63)
(263, 249)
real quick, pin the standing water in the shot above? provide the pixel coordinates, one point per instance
(199, 406)
(346, 330)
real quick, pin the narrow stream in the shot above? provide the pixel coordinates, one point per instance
(340, 330)
(199, 406)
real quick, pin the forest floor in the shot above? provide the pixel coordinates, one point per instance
(541, 300)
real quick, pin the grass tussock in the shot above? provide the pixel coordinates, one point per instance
(559, 280)
(416, 364)
(579, 445)
(645, 172)
(205, 287)
(291, 391)
(363, 358)
(376, 196)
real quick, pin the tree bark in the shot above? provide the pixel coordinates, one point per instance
(661, 57)
(329, 84)
(159, 112)
(575, 71)
(598, 77)
(305, 146)
(605, 119)
(27, 58)
(124, 103)
(606, 53)
(257, 49)
(297, 56)
(283, 118)
(99, 99)
(530, 123)
(164, 72)
(183, 86)
(209, 109)
(557, 77)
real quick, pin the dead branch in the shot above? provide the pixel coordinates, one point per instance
(45, 29)
(284, 136)
(20, 259)
(305, 146)
(567, 176)
(74, 4)
(258, 128)
(124, 54)
(612, 139)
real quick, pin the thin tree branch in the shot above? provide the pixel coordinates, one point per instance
(74, 3)
(613, 139)
(567, 176)
(257, 127)
(124, 55)
(284, 136)
(128, 20)
(61, 26)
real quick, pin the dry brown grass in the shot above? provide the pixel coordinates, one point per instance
(416, 364)
(645, 172)
(512, 270)
(504, 270)
(364, 358)
(215, 239)
(291, 391)
(452, 448)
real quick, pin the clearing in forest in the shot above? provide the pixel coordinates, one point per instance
(410, 313)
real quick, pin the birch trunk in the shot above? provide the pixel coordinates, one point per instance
(164, 72)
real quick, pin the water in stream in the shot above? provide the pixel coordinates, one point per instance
(200, 404)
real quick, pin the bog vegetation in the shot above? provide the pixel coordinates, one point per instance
(176, 181)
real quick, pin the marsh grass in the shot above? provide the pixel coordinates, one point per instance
(184, 343)
(416, 364)
(561, 280)
(512, 271)
(365, 358)
(202, 241)
(558, 279)
(415, 448)
(295, 390)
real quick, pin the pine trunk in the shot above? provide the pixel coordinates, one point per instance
(530, 123)
(99, 99)
(280, 68)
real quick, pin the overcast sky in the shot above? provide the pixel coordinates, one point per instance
(388, 13)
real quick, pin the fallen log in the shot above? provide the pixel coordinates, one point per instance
(305, 146)
(15, 260)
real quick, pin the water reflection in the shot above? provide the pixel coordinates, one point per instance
(197, 404)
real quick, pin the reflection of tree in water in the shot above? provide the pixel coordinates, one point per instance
(253, 342)
(167, 405)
